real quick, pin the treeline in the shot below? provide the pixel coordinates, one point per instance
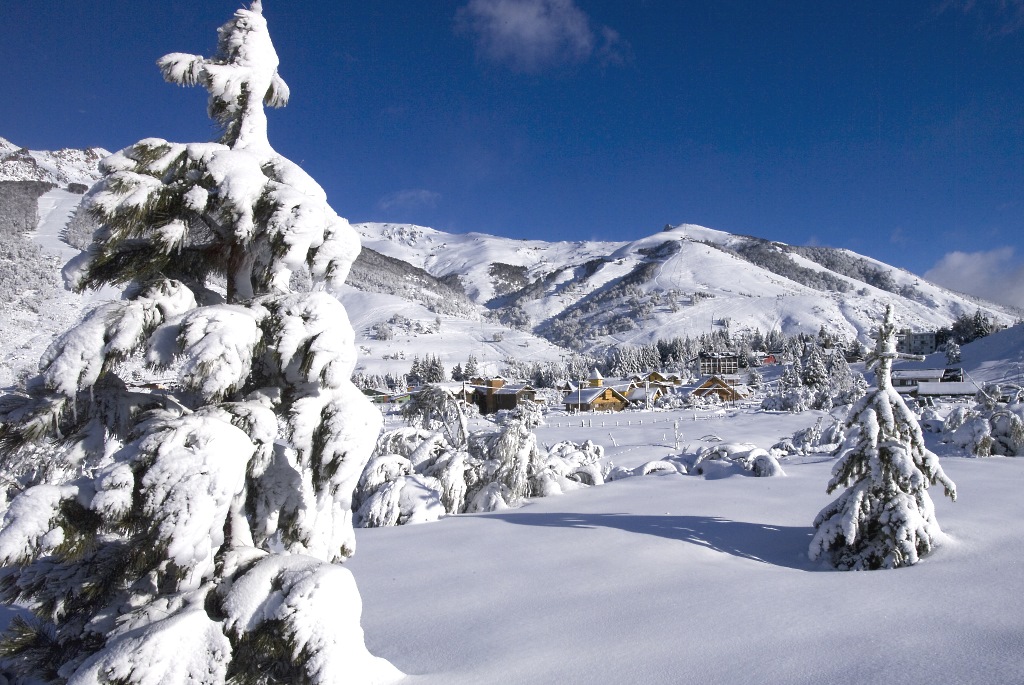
(378, 273)
(28, 276)
(777, 259)
(19, 206)
(967, 328)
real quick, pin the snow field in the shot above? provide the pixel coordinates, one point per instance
(669, 579)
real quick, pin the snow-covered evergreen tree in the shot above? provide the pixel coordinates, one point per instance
(885, 518)
(186, 534)
(792, 377)
(815, 375)
(952, 353)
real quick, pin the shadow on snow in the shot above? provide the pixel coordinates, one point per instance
(775, 545)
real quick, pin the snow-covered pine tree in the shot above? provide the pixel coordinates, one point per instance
(792, 377)
(885, 518)
(952, 353)
(815, 375)
(472, 369)
(186, 534)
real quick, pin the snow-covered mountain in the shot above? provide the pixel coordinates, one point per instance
(686, 280)
(39, 195)
(60, 167)
(501, 298)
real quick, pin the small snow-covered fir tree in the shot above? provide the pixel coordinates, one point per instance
(952, 352)
(885, 518)
(472, 369)
(186, 533)
(815, 375)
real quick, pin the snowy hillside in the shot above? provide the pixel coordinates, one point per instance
(60, 167)
(998, 358)
(415, 331)
(35, 209)
(500, 298)
(684, 281)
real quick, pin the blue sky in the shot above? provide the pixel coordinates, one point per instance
(895, 129)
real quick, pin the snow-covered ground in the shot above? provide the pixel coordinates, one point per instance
(674, 578)
(27, 333)
(55, 210)
(670, 578)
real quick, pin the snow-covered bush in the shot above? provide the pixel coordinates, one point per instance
(433, 408)
(186, 533)
(787, 399)
(752, 459)
(956, 418)
(816, 439)
(419, 475)
(673, 399)
(952, 353)
(988, 432)
(823, 380)
(714, 461)
(885, 518)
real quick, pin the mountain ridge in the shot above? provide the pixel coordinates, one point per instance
(504, 298)
(59, 167)
(682, 281)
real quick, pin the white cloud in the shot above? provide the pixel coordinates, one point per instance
(995, 275)
(529, 35)
(410, 198)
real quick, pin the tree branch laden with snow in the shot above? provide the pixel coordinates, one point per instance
(201, 512)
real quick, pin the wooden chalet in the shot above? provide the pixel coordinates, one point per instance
(377, 396)
(494, 394)
(725, 389)
(909, 378)
(645, 395)
(595, 399)
(509, 396)
(665, 379)
(564, 386)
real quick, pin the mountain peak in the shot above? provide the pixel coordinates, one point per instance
(686, 280)
(60, 167)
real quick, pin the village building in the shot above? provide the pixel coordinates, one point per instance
(595, 399)
(954, 389)
(491, 395)
(910, 342)
(377, 396)
(665, 379)
(907, 381)
(595, 396)
(509, 396)
(725, 388)
(716, 364)
(645, 395)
